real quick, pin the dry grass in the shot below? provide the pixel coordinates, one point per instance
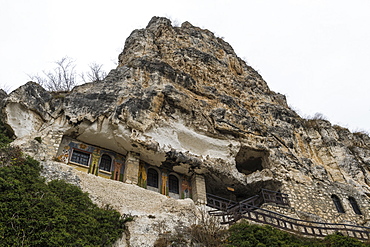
(206, 231)
(312, 122)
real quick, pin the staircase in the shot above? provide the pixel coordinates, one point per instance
(232, 211)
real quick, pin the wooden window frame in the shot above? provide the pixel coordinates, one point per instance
(152, 181)
(171, 184)
(110, 165)
(77, 151)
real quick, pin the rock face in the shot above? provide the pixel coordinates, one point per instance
(182, 99)
(154, 214)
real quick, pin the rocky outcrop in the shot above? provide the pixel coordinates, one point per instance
(153, 214)
(3, 94)
(181, 98)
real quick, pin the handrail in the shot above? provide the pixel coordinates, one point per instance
(276, 192)
(274, 196)
(250, 199)
(305, 227)
(220, 198)
(306, 221)
(219, 202)
(249, 210)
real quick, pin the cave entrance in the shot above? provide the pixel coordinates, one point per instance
(250, 160)
(224, 186)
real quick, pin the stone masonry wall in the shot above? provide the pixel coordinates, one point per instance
(131, 168)
(313, 202)
(199, 189)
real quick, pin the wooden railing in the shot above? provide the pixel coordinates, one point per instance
(275, 197)
(221, 207)
(304, 227)
(231, 211)
(219, 203)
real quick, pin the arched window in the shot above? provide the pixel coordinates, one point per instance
(354, 204)
(337, 203)
(152, 178)
(105, 163)
(173, 184)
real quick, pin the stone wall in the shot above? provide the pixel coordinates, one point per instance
(314, 202)
(199, 189)
(131, 168)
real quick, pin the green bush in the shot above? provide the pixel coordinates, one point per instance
(248, 235)
(34, 213)
(5, 137)
(338, 240)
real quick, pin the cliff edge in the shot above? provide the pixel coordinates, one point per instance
(182, 100)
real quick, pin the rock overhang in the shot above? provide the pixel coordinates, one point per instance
(180, 97)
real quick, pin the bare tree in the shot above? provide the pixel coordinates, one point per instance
(62, 78)
(96, 73)
(5, 87)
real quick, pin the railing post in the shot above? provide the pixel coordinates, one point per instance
(246, 209)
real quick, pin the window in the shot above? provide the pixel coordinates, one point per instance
(355, 206)
(80, 157)
(152, 178)
(105, 163)
(173, 184)
(337, 203)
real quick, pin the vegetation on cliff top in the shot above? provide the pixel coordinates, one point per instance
(35, 213)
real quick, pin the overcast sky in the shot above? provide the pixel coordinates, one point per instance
(316, 52)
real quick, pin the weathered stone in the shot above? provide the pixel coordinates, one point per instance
(131, 169)
(3, 94)
(199, 189)
(184, 101)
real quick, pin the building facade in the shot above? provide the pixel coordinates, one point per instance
(129, 168)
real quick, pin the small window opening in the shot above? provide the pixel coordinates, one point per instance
(337, 204)
(105, 163)
(152, 178)
(80, 157)
(173, 184)
(354, 205)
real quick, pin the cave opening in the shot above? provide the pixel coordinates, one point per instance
(225, 187)
(250, 160)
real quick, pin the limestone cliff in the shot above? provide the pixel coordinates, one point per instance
(182, 99)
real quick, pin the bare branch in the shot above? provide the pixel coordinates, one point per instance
(62, 78)
(6, 88)
(96, 73)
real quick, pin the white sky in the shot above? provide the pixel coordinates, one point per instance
(316, 52)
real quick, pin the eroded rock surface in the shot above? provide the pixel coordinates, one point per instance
(153, 214)
(182, 98)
